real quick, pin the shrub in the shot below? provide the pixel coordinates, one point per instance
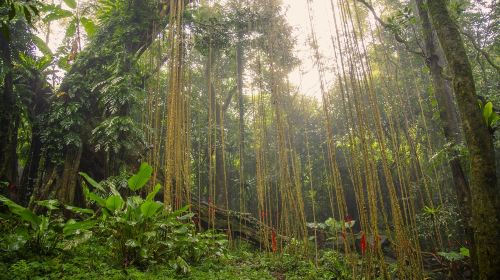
(142, 232)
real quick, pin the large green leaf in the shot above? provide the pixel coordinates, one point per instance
(73, 227)
(57, 13)
(150, 208)
(70, 3)
(140, 179)
(89, 26)
(153, 193)
(114, 203)
(487, 110)
(40, 44)
(24, 213)
(91, 181)
(93, 197)
(180, 211)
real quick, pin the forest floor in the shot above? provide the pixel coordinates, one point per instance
(92, 262)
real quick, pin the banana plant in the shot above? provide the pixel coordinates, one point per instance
(134, 206)
(131, 223)
(141, 231)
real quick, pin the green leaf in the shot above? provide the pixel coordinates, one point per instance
(71, 29)
(93, 197)
(464, 252)
(140, 179)
(89, 26)
(150, 208)
(487, 110)
(78, 210)
(493, 119)
(114, 202)
(132, 243)
(51, 204)
(40, 44)
(153, 193)
(70, 3)
(178, 212)
(451, 256)
(24, 213)
(186, 217)
(57, 14)
(72, 227)
(91, 181)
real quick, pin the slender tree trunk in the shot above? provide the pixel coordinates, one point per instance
(30, 171)
(483, 183)
(241, 109)
(9, 120)
(449, 119)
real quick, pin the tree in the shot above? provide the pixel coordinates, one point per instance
(483, 184)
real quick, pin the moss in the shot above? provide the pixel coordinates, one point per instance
(483, 184)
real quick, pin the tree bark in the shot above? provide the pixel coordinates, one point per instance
(28, 179)
(483, 184)
(449, 119)
(9, 120)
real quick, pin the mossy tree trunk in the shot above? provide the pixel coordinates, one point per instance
(448, 116)
(483, 183)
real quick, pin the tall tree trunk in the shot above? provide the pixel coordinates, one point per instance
(241, 110)
(483, 184)
(9, 120)
(449, 119)
(30, 171)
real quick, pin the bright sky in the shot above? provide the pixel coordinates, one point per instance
(307, 77)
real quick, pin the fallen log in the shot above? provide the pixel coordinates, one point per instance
(242, 225)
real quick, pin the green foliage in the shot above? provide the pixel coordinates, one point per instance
(44, 233)
(141, 232)
(10, 10)
(89, 26)
(445, 219)
(137, 181)
(431, 211)
(70, 3)
(490, 117)
(454, 256)
(332, 226)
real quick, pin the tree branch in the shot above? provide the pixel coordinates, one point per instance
(387, 26)
(480, 50)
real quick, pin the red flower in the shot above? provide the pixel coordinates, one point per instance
(363, 243)
(273, 241)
